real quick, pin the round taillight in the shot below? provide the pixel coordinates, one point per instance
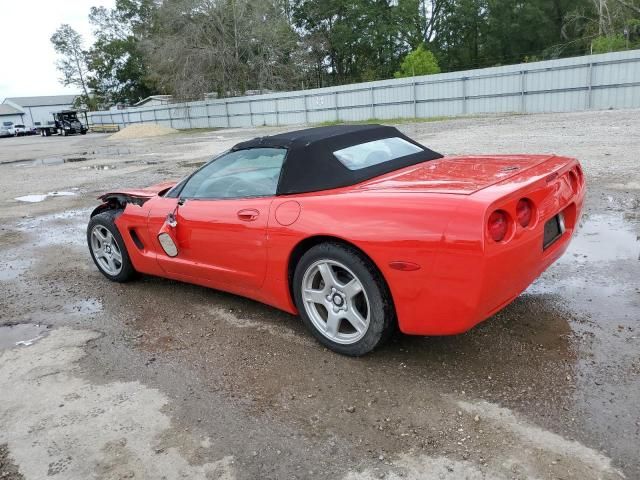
(524, 212)
(498, 225)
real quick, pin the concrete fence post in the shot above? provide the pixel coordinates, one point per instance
(415, 97)
(226, 112)
(373, 105)
(335, 101)
(589, 85)
(523, 91)
(306, 111)
(250, 113)
(277, 114)
(464, 95)
(170, 117)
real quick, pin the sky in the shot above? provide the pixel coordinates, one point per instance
(27, 58)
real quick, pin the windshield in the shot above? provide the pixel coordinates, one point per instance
(69, 116)
(372, 153)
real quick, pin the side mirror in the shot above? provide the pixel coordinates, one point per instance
(166, 237)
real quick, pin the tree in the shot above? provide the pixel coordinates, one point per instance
(418, 62)
(119, 71)
(358, 40)
(223, 46)
(73, 62)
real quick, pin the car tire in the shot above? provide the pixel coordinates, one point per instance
(108, 249)
(352, 313)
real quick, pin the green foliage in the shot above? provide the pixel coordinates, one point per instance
(418, 62)
(611, 43)
(189, 48)
(119, 71)
(72, 61)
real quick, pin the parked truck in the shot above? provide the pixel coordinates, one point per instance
(64, 123)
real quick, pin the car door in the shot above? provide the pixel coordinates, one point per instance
(220, 219)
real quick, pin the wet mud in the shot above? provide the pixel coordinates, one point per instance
(547, 388)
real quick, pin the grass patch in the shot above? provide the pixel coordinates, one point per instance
(190, 131)
(388, 121)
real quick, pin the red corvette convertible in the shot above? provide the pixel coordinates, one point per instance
(358, 229)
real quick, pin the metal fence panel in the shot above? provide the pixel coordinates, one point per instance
(603, 81)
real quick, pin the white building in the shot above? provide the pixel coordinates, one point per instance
(154, 100)
(37, 110)
(10, 115)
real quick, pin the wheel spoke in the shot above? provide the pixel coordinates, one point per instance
(315, 296)
(111, 263)
(355, 319)
(116, 254)
(333, 324)
(327, 275)
(353, 288)
(102, 238)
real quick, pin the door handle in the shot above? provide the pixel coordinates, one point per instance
(248, 215)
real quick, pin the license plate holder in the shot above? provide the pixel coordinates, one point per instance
(553, 230)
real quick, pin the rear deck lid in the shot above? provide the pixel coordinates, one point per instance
(456, 175)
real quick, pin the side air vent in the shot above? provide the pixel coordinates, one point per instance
(136, 239)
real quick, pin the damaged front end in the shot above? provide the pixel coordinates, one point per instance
(118, 200)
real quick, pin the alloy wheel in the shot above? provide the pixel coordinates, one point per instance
(336, 302)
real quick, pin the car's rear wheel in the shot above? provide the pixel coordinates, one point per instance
(342, 299)
(107, 248)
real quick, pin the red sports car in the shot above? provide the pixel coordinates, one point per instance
(358, 229)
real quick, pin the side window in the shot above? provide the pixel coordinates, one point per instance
(241, 174)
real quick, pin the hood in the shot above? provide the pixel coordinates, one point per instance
(141, 193)
(456, 175)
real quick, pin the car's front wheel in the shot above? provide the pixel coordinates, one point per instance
(107, 248)
(342, 299)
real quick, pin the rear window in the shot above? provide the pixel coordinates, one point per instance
(19, 126)
(372, 153)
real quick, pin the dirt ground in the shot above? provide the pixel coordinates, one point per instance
(161, 380)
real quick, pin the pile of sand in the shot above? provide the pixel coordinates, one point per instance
(142, 130)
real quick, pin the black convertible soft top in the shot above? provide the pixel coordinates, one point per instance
(311, 166)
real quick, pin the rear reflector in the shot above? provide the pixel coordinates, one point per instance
(524, 212)
(498, 225)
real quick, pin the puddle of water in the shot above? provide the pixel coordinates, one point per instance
(46, 162)
(603, 238)
(12, 269)
(91, 306)
(22, 334)
(61, 194)
(32, 198)
(191, 164)
(39, 197)
(62, 228)
(99, 167)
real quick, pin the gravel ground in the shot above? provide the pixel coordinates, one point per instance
(158, 379)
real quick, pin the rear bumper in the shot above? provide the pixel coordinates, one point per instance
(470, 281)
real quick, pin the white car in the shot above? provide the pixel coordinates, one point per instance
(4, 132)
(18, 130)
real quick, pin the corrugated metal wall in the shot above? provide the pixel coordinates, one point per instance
(604, 81)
